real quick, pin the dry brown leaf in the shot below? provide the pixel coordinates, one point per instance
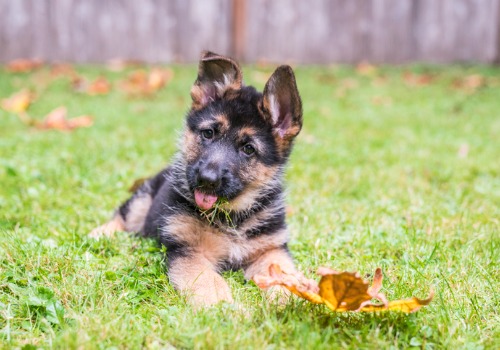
(18, 102)
(407, 305)
(470, 83)
(63, 70)
(414, 79)
(340, 291)
(142, 83)
(343, 291)
(158, 78)
(100, 86)
(366, 69)
(58, 120)
(23, 65)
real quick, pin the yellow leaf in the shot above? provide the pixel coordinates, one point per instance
(23, 65)
(18, 102)
(142, 83)
(344, 291)
(58, 120)
(339, 291)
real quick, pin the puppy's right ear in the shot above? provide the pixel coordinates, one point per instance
(216, 75)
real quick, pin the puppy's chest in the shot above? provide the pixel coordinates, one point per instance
(214, 243)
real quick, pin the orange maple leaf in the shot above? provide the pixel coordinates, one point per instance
(18, 102)
(58, 120)
(142, 83)
(470, 83)
(414, 79)
(23, 65)
(99, 86)
(340, 291)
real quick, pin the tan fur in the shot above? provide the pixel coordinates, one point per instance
(246, 132)
(196, 278)
(259, 175)
(260, 266)
(190, 146)
(215, 245)
(138, 211)
(196, 274)
(116, 224)
(197, 95)
(284, 142)
(223, 123)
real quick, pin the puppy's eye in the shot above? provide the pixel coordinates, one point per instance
(207, 133)
(248, 149)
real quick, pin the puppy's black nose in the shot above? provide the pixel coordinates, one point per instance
(208, 179)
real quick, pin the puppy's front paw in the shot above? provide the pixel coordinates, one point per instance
(278, 295)
(204, 296)
(108, 229)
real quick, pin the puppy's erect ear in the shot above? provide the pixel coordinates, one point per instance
(216, 75)
(282, 104)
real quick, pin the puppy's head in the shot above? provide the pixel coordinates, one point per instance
(237, 139)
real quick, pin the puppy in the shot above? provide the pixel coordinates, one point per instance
(220, 204)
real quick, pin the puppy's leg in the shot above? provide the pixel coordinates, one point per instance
(260, 266)
(196, 277)
(131, 215)
(108, 229)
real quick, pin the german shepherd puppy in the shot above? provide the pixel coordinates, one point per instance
(220, 205)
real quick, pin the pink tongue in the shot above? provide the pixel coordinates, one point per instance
(204, 201)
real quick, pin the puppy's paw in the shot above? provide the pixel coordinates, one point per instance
(108, 229)
(278, 295)
(209, 297)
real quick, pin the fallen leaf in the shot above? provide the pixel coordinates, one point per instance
(415, 80)
(343, 291)
(407, 305)
(18, 102)
(99, 86)
(143, 83)
(340, 291)
(470, 83)
(63, 70)
(157, 78)
(58, 120)
(23, 65)
(366, 69)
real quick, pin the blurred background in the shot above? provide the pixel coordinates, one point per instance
(294, 31)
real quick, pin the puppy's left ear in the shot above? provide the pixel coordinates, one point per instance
(216, 75)
(282, 104)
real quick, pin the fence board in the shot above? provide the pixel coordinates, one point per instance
(314, 31)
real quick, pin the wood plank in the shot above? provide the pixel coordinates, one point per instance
(314, 31)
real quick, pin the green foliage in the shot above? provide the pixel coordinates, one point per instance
(385, 173)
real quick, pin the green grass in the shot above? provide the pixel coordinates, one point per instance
(375, 180)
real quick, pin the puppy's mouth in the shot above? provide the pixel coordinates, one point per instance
(204, 201)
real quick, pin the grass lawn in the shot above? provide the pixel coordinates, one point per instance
(395, 167)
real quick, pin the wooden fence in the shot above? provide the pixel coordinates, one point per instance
(304, 31)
